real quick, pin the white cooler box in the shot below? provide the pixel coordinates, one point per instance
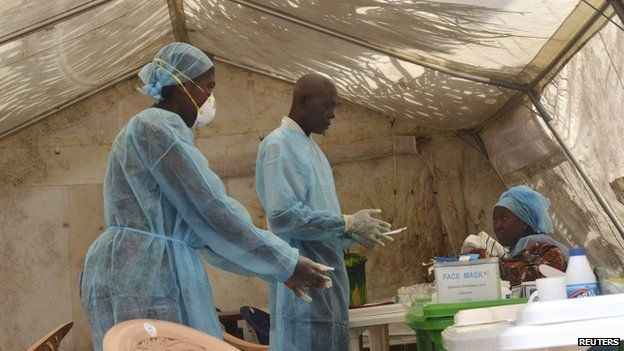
(552, 325)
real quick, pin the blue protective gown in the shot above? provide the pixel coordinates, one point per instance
(296, 189)
(164, 208)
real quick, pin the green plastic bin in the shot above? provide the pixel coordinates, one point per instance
(428, 319)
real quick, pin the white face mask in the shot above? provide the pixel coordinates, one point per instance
(206, 112)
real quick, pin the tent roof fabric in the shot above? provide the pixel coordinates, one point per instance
(55, 52)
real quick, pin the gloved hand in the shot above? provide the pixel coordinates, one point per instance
(367, 230)
(308, 274)
(485, 242)
(471, 242)
(492, 246)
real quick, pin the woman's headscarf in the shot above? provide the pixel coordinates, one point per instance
(530, 206)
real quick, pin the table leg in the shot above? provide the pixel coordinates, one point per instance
(379, 338)
(354, 338)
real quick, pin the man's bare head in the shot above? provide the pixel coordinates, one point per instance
(314, 100)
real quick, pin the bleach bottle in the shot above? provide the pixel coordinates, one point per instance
(580, 278)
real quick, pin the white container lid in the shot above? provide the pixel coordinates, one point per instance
(560, 311)
(481, 337)
(538, 325)
(476, 316)
(509, 337)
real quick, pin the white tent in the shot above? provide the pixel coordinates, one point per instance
(447, 64)
(537, 86)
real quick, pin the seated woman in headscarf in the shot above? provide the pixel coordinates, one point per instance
(523, 225)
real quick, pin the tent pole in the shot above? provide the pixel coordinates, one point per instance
(618, 6)
(178, 20)
(601, 200)
(390, 52)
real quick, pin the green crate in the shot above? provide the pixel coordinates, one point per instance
(429, 341)
(433, 324)
(435, 336)
(428, 319)
(423, 342)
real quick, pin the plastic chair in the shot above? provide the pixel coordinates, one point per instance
(259, 321)
(241, 344)
(149, 334)
(52, 341)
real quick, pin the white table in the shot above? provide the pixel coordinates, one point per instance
(375, 319)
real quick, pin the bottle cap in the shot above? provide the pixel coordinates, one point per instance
(577, 251)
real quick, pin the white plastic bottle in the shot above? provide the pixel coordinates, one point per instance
(580, 278)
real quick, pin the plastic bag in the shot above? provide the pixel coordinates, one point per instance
(407, 294)
(610, 282)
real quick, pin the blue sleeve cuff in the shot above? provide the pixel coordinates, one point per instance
(290, 264)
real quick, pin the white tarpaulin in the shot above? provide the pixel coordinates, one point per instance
(423, 60)
(514, 41)
(46, 69)
(586, 100)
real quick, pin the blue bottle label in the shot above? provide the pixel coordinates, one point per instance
(582, 290)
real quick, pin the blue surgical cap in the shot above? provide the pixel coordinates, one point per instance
(179, 60)
(530, 206)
